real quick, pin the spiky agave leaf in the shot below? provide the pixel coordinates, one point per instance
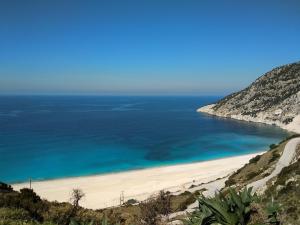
(104, 221)
(200, 218)
(220, 210)
(246, 196)
(238, 205)
(74, 222)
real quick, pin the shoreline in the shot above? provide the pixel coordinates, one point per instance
(294, 126)
(104, 190)
(132, 170)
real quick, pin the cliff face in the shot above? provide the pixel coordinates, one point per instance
(273, 98)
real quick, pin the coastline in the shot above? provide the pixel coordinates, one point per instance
(294, 126)
(104, 190)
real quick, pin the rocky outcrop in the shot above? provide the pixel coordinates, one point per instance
(273, 98)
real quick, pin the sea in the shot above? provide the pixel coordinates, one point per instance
(49, 137)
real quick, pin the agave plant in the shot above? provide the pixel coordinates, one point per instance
(232, 209)
(272, 212)
(239, 203)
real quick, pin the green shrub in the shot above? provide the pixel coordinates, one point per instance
(251, 175)
(14, 214)
(4, 188)
(26, 199)
(183, 205)
(274, 157)
(131, 202)
(57, 213)
(230, 182)
(31, 202)
(255, 159)
(151, 208)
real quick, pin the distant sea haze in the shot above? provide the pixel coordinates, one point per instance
(47, 137)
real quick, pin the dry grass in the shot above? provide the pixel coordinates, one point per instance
(257, 168)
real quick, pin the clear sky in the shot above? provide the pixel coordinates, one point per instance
(144, 46)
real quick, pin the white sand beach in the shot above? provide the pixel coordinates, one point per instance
(105, 190)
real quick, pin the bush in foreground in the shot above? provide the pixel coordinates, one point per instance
(235, 208)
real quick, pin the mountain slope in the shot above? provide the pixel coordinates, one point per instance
(273, 98)
(282, 189)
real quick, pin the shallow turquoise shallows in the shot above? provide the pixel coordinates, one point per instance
(46, 137)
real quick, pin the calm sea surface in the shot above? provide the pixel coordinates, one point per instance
(45, 137)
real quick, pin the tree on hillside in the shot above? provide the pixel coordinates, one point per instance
(76, 196)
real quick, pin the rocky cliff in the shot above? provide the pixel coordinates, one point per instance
(273, 98)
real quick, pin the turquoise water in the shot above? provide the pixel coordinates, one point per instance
(46, 137)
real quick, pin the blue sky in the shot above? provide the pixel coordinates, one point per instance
(144, 46)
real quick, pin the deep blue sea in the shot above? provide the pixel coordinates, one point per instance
(46, 137)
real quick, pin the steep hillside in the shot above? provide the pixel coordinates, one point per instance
(282, 189)
(273, 98)
(277, 202)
